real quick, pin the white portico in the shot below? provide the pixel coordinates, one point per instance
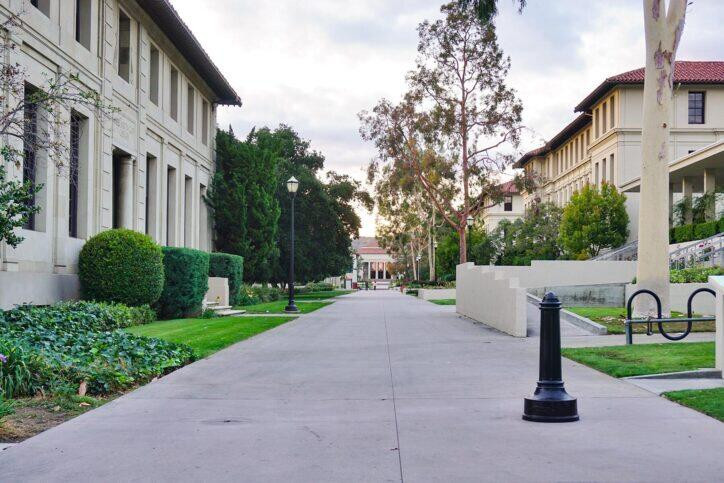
(371, 263)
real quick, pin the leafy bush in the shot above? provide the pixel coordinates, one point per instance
(230, 267)
(82, 315)
(187, 281)
(684, 233)
(705, 230)
(6, 408)
(121, 266)
(319, 287)
(247, 296)
(55, 348)
(695, 275)
(720, 228)
(142, 315)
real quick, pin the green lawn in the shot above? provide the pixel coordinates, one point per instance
(637, 360)
(443, 301)
(207, 336)
(707, 401)
(322, 295)
(612, 318)
(277, 307)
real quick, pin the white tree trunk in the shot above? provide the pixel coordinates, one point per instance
(663, 28)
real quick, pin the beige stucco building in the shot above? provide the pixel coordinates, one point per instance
(603, 144)
(146, 168)
(511, 208)
(370, 262)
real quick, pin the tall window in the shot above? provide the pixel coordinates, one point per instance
(190, 111)
(611, 169)
(508, 203)
(42, 5)
(83, 22)
(612, 110)
(603, 170)
(153, 76)
(597, 123)
(596, 174)
(188, 212)
(696, 107)
(604, 123)
(174, 94)
(76, 126)
(30, 145)
(171, 207)
(124, 46)
(151, 183)
(205, 122)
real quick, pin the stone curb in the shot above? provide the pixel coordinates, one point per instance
(575, 319)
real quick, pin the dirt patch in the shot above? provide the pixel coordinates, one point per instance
(34, 415)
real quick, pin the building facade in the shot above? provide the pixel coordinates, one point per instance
(146, 166)
(511, 208)
(370, 263)
(603, 144)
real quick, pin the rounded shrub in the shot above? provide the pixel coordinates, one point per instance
(186, 284)
(121, 266)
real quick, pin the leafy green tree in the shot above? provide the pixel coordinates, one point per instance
(325, 220)
(534, 237)
(244, 205)
(481, 251)
(593, 220)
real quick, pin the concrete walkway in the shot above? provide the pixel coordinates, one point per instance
(376, 387)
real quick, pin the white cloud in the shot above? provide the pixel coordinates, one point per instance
(315, 64)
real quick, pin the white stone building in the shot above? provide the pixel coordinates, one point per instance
(603, 144)
(146, 169)
(511, 208)
(370, 263)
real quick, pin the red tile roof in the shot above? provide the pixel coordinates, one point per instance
(573, 127)
(509, 187)
(685, 72)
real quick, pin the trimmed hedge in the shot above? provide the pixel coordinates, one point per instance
(121, 266)
(230, 267)
(187, 281)
(685, 233)
(705, 230)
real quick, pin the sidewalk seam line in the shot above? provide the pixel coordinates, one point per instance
(394, 399)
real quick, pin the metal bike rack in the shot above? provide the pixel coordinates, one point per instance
(659, 320)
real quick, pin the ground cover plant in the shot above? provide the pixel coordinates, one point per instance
(707, 401)
(69, 346)
(206, 336)
(277, 307)
(613, 317)
(638, 360)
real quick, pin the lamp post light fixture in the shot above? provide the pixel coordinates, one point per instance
(292, 187)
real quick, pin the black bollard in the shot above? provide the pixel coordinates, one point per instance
(550, 402)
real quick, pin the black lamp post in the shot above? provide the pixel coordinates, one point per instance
(469, 220)
(292, 187)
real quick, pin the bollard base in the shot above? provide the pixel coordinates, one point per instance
(550, 404)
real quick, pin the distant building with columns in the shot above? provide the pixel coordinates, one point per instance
(370, 263)
(147, 168)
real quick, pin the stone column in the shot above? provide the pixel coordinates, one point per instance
(125, 197)
(687, 189)
(710, 187)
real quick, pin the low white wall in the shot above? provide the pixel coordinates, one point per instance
(36, 288)
(495, 295)
(436, 293)
(218, 290)
(492, 298)
(704, 303)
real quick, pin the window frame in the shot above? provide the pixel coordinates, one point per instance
(702, 108)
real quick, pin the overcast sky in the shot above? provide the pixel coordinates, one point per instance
(315, 64)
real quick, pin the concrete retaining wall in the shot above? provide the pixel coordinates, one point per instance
(603, 295)
(496, 295)
(704, 303)
(218, 291)
(717, 283)
(436, 293)
(36, 288)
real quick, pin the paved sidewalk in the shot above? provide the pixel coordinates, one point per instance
(376, 387)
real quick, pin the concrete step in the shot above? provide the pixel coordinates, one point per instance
(227, 312)
(216, 308)
(211, 304)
